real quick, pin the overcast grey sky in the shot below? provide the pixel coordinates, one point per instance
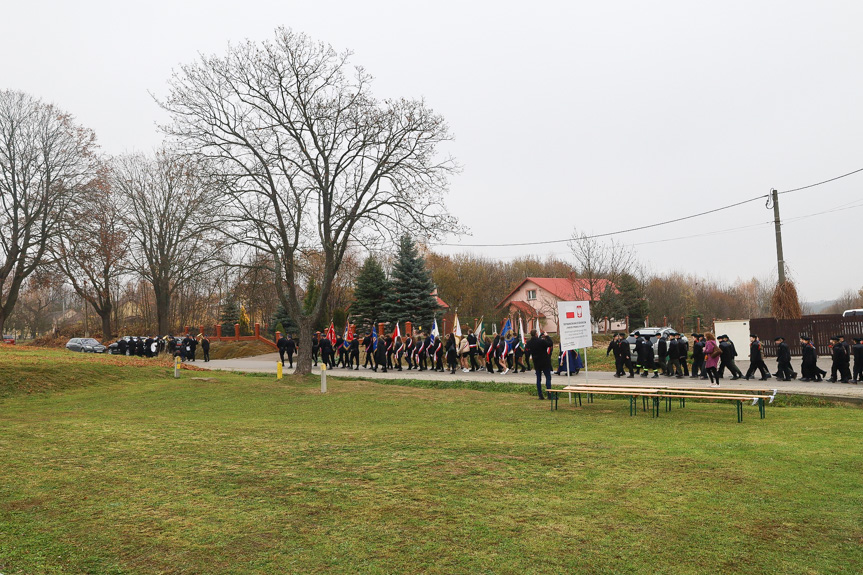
(596, 115)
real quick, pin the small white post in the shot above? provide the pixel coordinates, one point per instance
(324, 378)
(177, 367)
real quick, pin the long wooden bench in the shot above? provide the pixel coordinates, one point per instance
(655, 394)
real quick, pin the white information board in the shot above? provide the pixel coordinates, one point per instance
(575, 328)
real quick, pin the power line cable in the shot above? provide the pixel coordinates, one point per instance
(639, 228)
(824, 182)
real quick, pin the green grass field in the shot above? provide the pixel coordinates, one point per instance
(110, 465)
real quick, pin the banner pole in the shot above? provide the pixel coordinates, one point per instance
(586, 380)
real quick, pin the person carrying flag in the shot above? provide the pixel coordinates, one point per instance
(472, 349)
(409, 352)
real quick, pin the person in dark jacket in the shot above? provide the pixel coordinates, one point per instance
(649, 362)
(614, 347)
(193, 345)
(473, 349)
(354, 355)
(148, 346)
(381, 355)
(840, 361)
(729, 352)
(625, 355)
(684, 354)
(121, 346)
(783, 361)
(282, 344)
(857, 352)
(367, 347)
(290, 349)
(451, 353)
(205, 348)
(698, 356)
(316, 346)
(540, 350)
(809, 366)
(674, 356)
(756, 359)
(662, 354)
(640, 344)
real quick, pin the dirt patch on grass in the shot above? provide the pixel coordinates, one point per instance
(238, 349)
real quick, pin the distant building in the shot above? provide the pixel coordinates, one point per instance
(535, 299)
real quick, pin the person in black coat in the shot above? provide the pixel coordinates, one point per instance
(193, 345)
(367, 347)
(726, 360)
(662, 354)
(354, 354)
(614, 348)
(451, 353)
(857, 352)
(326, 348)
(205, 348)
(809, 366)
(121, 346)
(674, 356)
(316, 346)
(282, 344)
(540, 350)
(625, 355)
(290, 350)
(698, 356)
(783, 361)
(381, 355)
(840, 361)
(640, 344)
(756, 360)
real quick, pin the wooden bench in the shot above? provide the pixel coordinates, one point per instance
(655, 394)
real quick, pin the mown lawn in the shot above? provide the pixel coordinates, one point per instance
(115, 467)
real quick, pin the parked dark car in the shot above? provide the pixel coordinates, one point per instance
(85, 345)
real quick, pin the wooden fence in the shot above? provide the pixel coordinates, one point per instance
(819, 327)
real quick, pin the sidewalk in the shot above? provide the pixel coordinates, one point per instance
(267, 364)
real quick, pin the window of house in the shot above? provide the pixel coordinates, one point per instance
(531, 294)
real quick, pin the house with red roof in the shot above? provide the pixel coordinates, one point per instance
(535, 299)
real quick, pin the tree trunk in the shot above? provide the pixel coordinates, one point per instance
(304, 353)
(105, 314)
(163, 309)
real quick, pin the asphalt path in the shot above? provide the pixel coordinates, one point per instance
(267, 364)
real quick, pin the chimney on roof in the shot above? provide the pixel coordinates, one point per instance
(572, 277)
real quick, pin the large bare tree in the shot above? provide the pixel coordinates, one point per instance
(306, 160)
(169, 218)
(44, 159)
(92, 251)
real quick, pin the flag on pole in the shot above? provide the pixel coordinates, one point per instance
(507, 327)
(457, 329)
(348, 335)
(520, 330)
(494, 329)
(375, 338)
(331, 333)
(434, 332)
(395, 338)
(479, 329)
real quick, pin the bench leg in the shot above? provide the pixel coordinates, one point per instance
(578, 396)
(643, 404)
(739, 412)
(762, 408)
(632, 408)
(656, 406)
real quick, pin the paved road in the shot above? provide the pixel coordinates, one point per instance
(267, 364)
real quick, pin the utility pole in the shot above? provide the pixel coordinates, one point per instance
(780, 260)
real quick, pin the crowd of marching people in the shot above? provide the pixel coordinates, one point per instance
(184, 347)
(501, 353)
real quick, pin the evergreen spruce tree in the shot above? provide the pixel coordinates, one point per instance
(283, 322)
(229, 315)
(371, 290)
(411, 294)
